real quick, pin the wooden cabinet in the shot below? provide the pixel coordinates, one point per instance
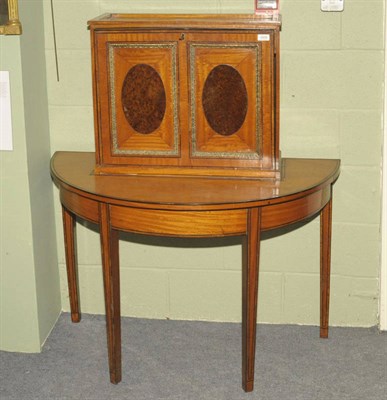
(186, 94)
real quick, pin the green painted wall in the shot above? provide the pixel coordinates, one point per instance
(29, 284)
(19, 321)
(331, 104)
(38, 159)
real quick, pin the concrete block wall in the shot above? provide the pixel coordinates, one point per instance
(331, 107)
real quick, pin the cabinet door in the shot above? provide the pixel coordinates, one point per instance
(136, 98)
(231, 99)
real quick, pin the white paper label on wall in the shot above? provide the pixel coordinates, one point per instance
(332, 5)
(5, 112)
(263, 37)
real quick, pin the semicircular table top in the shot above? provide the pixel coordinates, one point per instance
(298, 177)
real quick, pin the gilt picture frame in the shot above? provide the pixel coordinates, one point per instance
(9, 18)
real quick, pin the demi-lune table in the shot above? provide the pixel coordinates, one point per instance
(187, 206)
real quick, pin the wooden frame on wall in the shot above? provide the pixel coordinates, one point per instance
(9, 18)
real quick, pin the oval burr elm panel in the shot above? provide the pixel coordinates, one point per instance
(225, 100)
(143, 98)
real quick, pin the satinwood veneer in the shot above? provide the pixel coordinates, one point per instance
(186, 94)
(191, 207)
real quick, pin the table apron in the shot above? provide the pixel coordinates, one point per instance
(179, 223)
(79, 205)
(282, 214)
(196, 223)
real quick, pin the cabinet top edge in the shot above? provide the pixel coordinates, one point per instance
(185, 21)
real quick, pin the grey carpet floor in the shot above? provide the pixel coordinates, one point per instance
(198, 360)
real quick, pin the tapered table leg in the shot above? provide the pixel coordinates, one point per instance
(250, 270)
(71, 262)
(325, 266)
(111, 279)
